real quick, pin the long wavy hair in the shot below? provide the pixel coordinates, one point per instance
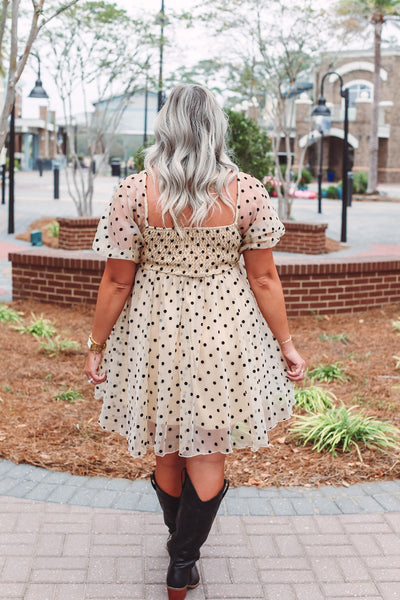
(189, 155)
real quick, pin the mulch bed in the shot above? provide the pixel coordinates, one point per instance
(36, 428)
(42, 225)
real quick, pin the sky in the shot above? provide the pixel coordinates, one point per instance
(193, 45)
(30, 107)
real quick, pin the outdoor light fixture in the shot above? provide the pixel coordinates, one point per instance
(321, 115)
(37, 92)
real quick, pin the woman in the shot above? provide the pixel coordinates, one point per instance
(199, 357)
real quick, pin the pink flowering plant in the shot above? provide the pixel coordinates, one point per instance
(271, 184)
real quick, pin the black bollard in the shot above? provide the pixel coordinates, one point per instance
(3, 184)
(40, 167)
(56, 175)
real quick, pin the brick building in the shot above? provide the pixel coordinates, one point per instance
(35, 138)
(356, 69)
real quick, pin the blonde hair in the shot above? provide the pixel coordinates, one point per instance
(189, 156)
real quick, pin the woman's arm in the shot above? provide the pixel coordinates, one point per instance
(267, 289)
(115, 287)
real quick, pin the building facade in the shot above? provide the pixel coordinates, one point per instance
(356, 69)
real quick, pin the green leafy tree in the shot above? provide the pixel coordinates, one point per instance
(359, 15)
(249, 145)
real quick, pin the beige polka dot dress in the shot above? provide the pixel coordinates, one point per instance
(191, 364)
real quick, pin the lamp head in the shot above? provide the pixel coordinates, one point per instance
(38, 91)
(321, 115)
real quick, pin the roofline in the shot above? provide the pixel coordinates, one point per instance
(117, 96)
(393, 51)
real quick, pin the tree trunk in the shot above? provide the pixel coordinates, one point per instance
(374, 139)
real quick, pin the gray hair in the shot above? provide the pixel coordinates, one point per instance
(189, 156)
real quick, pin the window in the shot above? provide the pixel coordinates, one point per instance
(359, 90)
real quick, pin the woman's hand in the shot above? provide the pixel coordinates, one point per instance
(296, 364)
(92, 364)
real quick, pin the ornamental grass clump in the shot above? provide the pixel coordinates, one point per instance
(69, 395)
(55, 346)
(396, 325)
(53, 229)
(328, 373)
(38, 327)
(314, 399)
(341, 428)
(9, 315)
(341, 337)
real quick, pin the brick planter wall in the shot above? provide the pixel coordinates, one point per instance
(303, 238)
(60, 276)
(335, 286)
(77, 233)
(339, 285)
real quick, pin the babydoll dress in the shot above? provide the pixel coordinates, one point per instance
(191, 364)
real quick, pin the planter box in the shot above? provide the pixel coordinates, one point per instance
(77, 233)
(303, 238)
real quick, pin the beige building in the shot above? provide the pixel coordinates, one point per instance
(356, 69)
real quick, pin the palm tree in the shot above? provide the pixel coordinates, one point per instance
(359, 14)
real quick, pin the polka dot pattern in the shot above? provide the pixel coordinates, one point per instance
(192, 366)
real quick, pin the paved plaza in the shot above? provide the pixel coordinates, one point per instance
(64, 537)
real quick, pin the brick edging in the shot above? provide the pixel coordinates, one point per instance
(328, 286)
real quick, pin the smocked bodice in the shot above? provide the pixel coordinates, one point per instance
(196, 252)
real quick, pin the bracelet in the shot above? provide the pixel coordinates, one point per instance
(286, 341)
(94, 346)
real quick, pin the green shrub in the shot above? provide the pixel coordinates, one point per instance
(249, 145)
(313, 399)
(360, 182)
(332, 192)
(138, 156)
(340, 428)
(306, 177)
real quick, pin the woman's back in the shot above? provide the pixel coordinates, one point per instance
(221, 215)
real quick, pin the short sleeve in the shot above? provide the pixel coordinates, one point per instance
(118, 235)
(258, 221)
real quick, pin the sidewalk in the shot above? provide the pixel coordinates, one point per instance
(272, 543)
(64, 537)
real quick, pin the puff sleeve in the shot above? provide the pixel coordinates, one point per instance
(258, 222)
(118, 235)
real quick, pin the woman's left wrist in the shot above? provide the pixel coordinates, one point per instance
(94, 346)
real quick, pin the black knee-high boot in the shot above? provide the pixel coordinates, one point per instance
(193, 524)
(169, 505)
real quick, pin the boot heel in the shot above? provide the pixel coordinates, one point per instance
(177, 594)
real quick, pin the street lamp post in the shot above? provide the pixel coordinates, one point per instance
(146, 102)
(161, 21)
(321, 115)
(37, 92)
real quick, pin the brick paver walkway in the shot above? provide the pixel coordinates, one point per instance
(59, 552)
(274, 543)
